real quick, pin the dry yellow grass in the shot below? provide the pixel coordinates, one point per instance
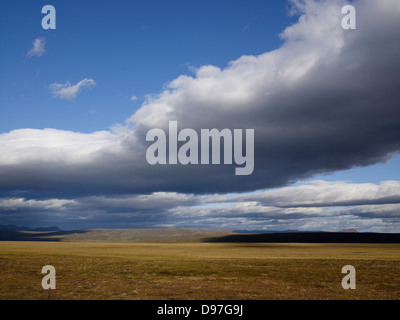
(198, 270)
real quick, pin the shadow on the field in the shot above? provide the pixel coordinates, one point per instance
(310, 237)
(13, 235)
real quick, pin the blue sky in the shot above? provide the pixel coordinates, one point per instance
(324, 109)
(130, 48)
(375, 173)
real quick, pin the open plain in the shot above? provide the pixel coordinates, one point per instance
(198, 271)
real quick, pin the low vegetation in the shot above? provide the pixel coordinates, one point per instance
(104, 270)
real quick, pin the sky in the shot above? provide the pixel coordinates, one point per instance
(77, 101)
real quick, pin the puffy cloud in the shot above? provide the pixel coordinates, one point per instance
(301, 207)
(15, 204)
(321, 205)
(324, 193)
(53, 146)
(326, 100)
(68, 91)
(38, 48)
(57, 161)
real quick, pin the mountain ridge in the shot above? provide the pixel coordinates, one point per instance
(192, 235)
(13, 227)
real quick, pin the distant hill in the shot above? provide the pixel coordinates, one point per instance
(142, 235)
(190, 235)
(113, 235)
(39, 229)
(349, 230)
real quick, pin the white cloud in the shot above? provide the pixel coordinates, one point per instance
(68, 91)
(53, 146)
(14, 204)
(305, 100)
(38, 48)
(325, 193)
(133, 98)
(251, 82)
(277, 209)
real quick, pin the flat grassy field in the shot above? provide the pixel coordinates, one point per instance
(198, 271)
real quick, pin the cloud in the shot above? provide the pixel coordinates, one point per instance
(133, 98)
(328, 194)
(326, 100)
(315, 205)
(68, 91)
(304, 207)
(38, 48)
